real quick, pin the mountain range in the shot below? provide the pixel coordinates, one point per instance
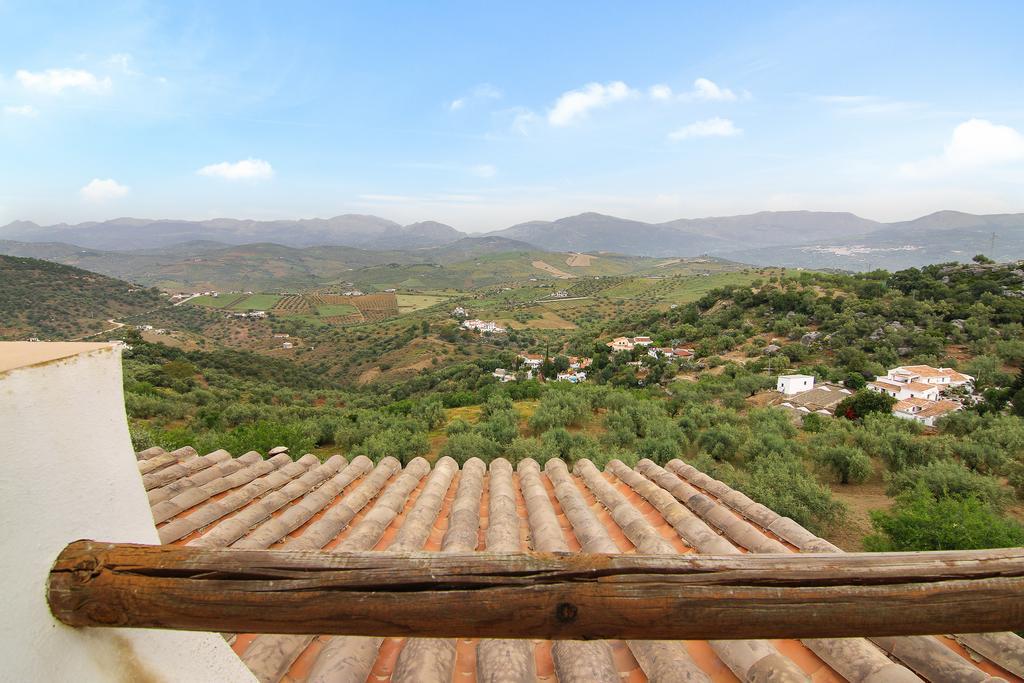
(811, 239)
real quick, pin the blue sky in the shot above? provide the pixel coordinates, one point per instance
(482, 115)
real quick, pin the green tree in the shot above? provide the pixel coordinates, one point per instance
(863, 403)
(920, 521)
(850, 464)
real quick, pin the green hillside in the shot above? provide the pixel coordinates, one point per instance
(56, 302)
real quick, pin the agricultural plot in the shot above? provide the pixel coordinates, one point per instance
(292, 304)
(328, 310)
(546, 320)
(214, 301)
(257, 302)
(407, 303)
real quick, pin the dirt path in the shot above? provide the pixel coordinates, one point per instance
(548, 268)
(579, 260)
(116, 326)
(860, 499)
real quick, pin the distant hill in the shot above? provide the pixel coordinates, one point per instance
(56, 302)
(351, 230)
(807, 239)
(595, 232)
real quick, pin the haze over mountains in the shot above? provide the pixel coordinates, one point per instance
(791, 238)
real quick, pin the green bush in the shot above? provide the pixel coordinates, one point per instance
(920, 521)
(850, 464)
(950, 479)
(863, 403)
(462, 447)
(783, 485)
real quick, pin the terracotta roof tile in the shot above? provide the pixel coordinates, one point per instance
(249, 502)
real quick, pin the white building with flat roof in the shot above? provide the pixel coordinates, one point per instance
(794, 384)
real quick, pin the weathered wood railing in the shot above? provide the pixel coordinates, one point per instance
(538, 595)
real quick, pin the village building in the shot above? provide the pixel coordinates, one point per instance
(580, 362)
(794, 384)
(670, 353)
(628, 343)
(819, 398)
(503, 375)
(483, 326)
(286, 345)
(901, 390)
(560, 294)
(532, 360)
(926, 374)
(924, 411)
(573, 376)
(459, 312)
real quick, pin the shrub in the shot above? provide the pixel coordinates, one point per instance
(920, 521)
(783, 485)
(462, 447)
(458, 425)
(525, 448)
(850, 464)
(396, 442)
(863, 403)
(950, 479)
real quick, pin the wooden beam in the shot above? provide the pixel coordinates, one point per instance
(538, 595)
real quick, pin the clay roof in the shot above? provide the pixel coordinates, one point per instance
(341, 505)
(908, 403)
(898, 386)
(939, 408)
(825, 396)
(925, 370)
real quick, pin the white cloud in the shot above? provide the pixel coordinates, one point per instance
(660, 92)
(484, 91)
(484, 171)
(99, 191)
(866, 104)
(975, 144)
(55, 81)
(575, 104)
(26, 110)
(715, 127)
(246, 169)
(706, 90)
(524, 120)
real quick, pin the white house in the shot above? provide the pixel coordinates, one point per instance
(901, 390)
(483, 326)
(573, 376)
(459, 312)
(629, 343)
(924, 411)
(286, 345)
(794, 384)
(669, 352)
(503, 375)
(926, 374)
(532, 360)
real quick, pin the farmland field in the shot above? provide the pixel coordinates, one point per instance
(257, 302)
(548, 320)
(414, 302)
(223, 301)
(336, 309)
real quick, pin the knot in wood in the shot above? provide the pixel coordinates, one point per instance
(87, 568)
(566, 612)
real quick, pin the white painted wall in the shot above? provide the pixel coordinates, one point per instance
(794, 384)
(68, 472)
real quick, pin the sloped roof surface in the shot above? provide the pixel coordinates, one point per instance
(339, 505)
